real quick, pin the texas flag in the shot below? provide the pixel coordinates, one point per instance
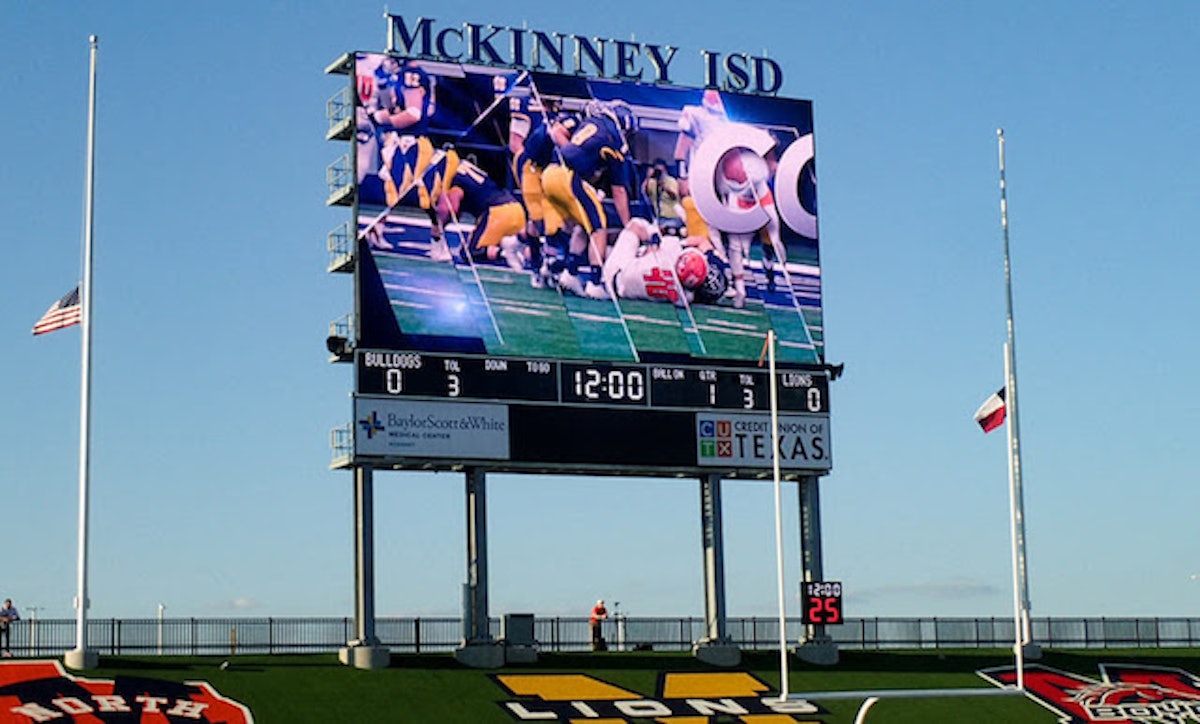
(990, 414)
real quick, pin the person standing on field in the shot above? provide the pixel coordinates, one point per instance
(599, 614)
(8, 614)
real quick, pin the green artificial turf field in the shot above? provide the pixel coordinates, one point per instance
(435, 688)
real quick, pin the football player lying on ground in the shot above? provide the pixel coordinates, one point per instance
(642, 264)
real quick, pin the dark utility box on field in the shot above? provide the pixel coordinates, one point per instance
(516, 631)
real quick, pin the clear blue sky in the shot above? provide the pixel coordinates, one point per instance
(213, 399)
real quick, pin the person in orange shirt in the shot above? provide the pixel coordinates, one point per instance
(599, 613)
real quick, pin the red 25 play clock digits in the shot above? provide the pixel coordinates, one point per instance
(821, 602)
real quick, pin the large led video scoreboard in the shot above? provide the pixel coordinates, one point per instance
(466, 356)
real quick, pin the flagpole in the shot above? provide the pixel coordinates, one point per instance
(81, 657)
(1020, 564)
(775, 473)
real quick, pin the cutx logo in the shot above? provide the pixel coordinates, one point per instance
(716, 438)
(40, 691)
(1125, 694)
(682, 697)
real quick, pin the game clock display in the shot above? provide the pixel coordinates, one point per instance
(821, 603)
(657, 386)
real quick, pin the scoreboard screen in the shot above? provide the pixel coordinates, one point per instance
(469, 277)
(443, 411)
(583, 343)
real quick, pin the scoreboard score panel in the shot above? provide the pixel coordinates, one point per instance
(446, 411)
(650, 385)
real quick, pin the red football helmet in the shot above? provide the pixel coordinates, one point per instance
(691, 268)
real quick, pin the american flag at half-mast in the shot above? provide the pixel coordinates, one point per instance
(990, 414)
(65, 312)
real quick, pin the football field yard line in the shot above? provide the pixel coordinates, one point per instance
(418, 291)
(513, 309)
(657, 327)
(542, 320)
(410, 305)
(732, 326)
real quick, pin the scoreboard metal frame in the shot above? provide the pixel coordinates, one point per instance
(607, 417)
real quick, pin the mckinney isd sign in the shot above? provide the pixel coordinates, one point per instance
(571, 54)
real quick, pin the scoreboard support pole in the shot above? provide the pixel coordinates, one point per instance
(478, 648)
(716, 647)
(817, 646)
(364, 651)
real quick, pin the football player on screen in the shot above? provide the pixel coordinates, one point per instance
(695, 122)
(535, 131)
(742, 180)
(644, 264)
(457, 186)
(401, 107)
(596, 152)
